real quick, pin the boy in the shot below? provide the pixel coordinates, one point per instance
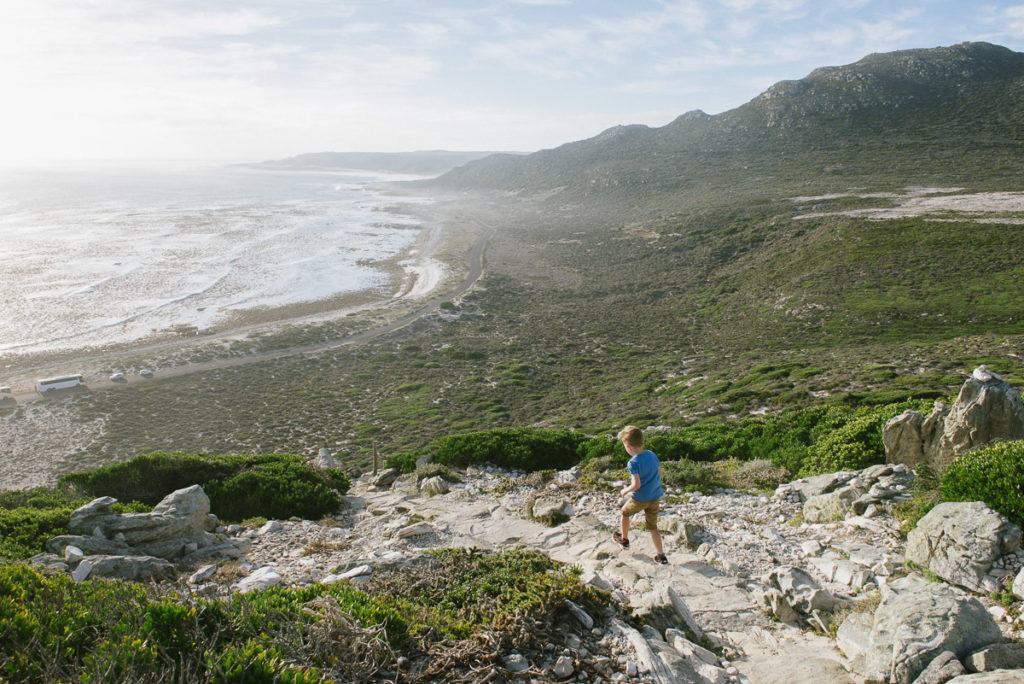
(645, 471)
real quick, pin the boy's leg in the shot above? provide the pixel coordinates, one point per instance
(651, 523)
(656, 538)
(624, 526)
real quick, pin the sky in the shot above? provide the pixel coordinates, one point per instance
(247, 80)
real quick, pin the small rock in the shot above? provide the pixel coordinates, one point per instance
(563, 667)
(202, 574)
(73, 555)
(80, 573)
(516, 662)
(415, 530)
(271, 526)
(811, 547)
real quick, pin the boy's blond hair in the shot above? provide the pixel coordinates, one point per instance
(632, 435)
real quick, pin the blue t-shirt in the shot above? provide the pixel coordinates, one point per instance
(645, 464)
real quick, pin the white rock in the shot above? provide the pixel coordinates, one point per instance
(263, 578)
(563, 667)
(82, 571)
(356, 572)
(415, 530)
(811, 547)
(1018, 585)
(271, 526)
(73, 555)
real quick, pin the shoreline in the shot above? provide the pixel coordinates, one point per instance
(411, 276)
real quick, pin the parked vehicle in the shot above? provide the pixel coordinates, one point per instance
(6, 393)
(118, 377)
(146, 373)
(59, 382)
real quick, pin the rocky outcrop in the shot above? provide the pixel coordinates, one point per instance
(962, 542)
(179, 529)
(827, 498)
(917, 621)
(986, 409)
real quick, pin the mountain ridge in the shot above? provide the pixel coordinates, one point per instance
(908, 113)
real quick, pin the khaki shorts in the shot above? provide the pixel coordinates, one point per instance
(650, 509)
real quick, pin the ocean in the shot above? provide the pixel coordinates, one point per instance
(104, 254)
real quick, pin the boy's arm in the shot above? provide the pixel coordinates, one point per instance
(634, 485)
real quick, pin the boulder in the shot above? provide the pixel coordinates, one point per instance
(1008, 656)
(126, 568)
(911, 438)
(177, 529)
(433, 486)
(180, 517)
(833, 505)
(701, 660)
(800, 590)
(551, 510)
(323, 460)
(263, 578)
(775, 604)
(986, 409)
(944, 667)
(997, 677)
(960, 542)
(1018, 585)
(385, 478)
(917, 621)
(817, 485)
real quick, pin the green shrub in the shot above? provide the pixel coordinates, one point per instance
(29, 518)
(992, 474)
(690, 475)
(526, 449)
(855, 441)
(405, 461)
(757, 474)
(274, 490)
(239, 486)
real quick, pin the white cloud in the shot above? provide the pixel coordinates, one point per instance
(1015, 19)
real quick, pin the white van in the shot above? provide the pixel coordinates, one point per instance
(59, 382)
(6, 393)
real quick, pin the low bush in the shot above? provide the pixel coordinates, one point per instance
(405, 461)
(758, 474)
(239, 486)
(690, 475)
(526, 449)
(854, 440)
(992, 474)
